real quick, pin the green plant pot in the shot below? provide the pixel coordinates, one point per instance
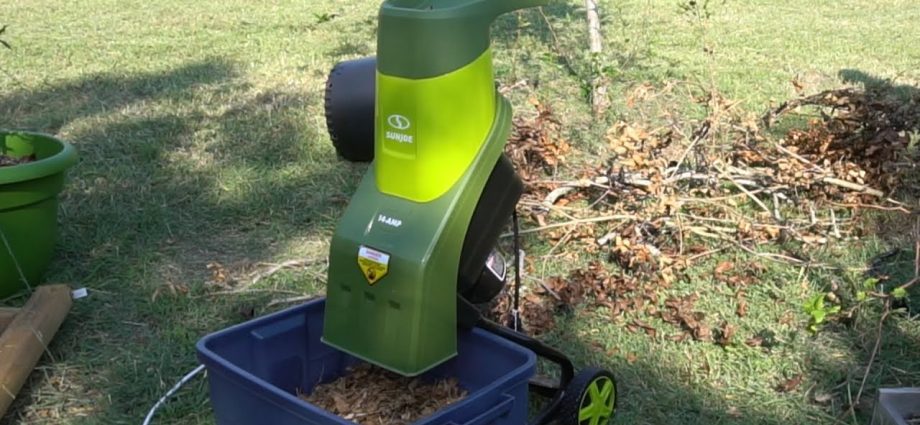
(29, 207)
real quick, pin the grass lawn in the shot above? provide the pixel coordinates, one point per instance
(204, 157)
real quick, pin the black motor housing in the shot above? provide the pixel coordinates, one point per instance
(482, 269)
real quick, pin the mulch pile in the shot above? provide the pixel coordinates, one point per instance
(369, 395)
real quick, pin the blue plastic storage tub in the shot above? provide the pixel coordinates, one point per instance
(256, 368)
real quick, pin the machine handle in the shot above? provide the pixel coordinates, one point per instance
(503, 408)
(505, 6)
(422, 39)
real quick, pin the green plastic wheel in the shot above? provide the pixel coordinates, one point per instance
(590, 399)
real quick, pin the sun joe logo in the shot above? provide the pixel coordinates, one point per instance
(389, 221)
(402, 123)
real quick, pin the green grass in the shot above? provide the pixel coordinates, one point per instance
(200, 132)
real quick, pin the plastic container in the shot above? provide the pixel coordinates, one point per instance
(29, 207)
(256, 368)
(896, 405)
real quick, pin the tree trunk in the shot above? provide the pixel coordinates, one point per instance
(598, 83)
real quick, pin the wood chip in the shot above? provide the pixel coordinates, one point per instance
(369, 395)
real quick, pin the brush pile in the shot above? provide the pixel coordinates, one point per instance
(661, 198)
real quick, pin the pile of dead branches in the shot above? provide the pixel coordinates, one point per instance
(664, 198)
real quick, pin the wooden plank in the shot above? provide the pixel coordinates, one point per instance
(27, 337)
(6, 316)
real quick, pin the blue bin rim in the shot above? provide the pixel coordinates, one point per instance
(209, 359)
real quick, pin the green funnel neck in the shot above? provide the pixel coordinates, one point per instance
(427, 38)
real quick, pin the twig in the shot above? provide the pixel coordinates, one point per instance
(251, 291)
(278, 267)
(834, 223)
(916, 278)
(680, 235)
(895, 202)
(559, 192)
(776, 214)
(853, 186)
(698, 136)
(815, 99)
(635, 179)
(878, 343)
(557, 45)
(749, 194)
(291, 300)
(770, 256)
(604, 240)
(695, 257)
(705, 254)
(796, 156)
(614, 217)
(273, 268)
(700, 232)
(718, 198)
(871, 206)
(565, 238)
(887, 311)
(552, 207)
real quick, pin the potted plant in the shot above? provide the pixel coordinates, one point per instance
(32, 171)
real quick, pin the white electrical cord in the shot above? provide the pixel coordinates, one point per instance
(170, 393)
(9, 250)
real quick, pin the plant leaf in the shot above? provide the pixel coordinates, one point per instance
(814, 303)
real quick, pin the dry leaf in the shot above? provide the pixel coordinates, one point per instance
(790, 384)
(754, 341)
(218, 273)
(649, 330)
(726, 334)
(734, 412)
(742, 308)
(724, 267)
(823, 398)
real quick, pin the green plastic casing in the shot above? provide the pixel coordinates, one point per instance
(440, 129)
(29, 207)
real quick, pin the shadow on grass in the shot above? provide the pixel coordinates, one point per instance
(170, 179)
(887, 253)
(885, 85)
(651, 389)
(102, 93)
(845, 348)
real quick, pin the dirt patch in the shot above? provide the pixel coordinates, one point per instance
(8, 161)
(369, 395)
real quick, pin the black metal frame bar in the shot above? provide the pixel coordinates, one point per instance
(539, 348)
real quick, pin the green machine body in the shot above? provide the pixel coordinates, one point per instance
(440, 127)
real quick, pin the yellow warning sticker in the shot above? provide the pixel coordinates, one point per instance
(374, 264)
